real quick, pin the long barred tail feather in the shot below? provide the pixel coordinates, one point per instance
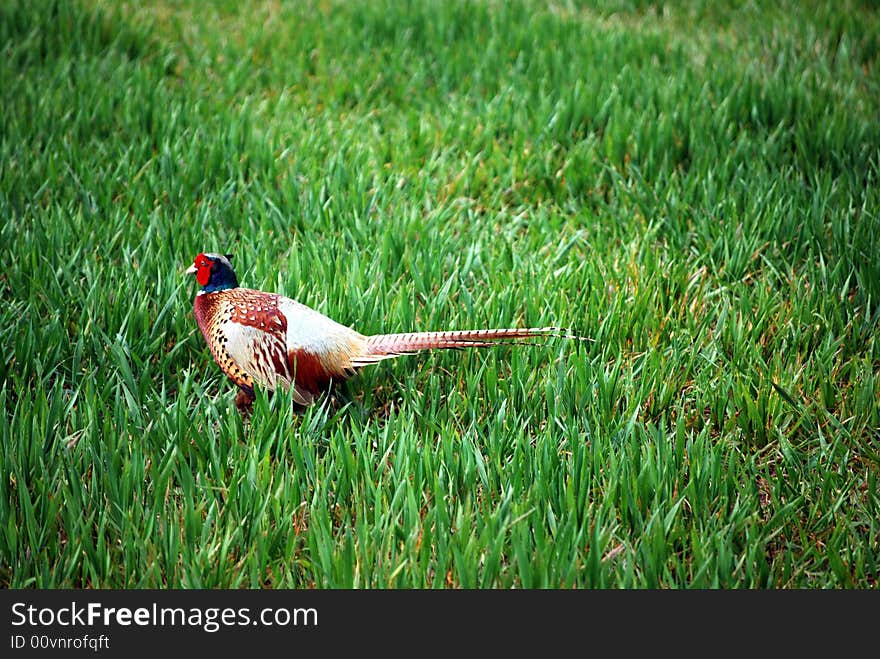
(388, 346)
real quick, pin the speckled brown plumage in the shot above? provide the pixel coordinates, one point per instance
(212, 312)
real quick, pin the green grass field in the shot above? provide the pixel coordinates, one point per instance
(693, 187)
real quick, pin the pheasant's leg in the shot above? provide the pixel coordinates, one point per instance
(244, 401)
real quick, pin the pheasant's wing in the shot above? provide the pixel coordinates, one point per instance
(263, 356)
(279, 342)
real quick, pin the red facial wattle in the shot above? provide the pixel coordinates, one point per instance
(203, 272)
(202, 265)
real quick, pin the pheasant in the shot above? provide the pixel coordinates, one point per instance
(267, 340)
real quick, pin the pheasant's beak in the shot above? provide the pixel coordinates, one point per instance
(191, 270)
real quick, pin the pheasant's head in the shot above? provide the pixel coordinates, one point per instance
(214, 272)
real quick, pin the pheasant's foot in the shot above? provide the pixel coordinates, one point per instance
(244, 402)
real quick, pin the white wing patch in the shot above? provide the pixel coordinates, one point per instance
(315, 333)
